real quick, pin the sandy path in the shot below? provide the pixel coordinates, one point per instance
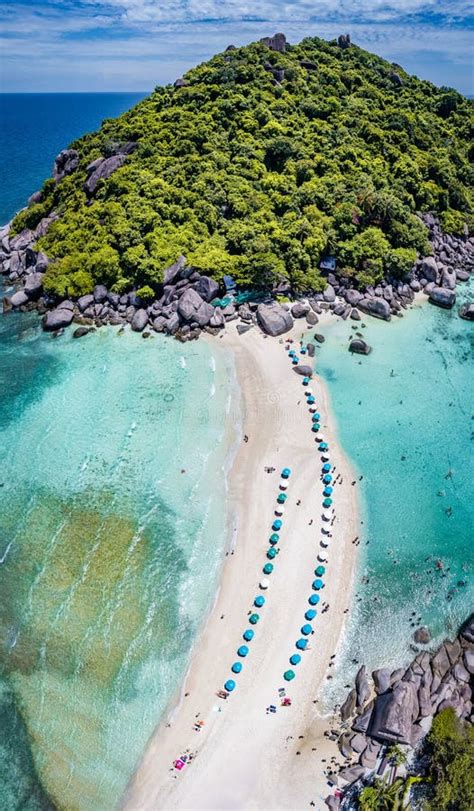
(245, 758)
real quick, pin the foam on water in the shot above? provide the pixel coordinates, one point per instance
(112, 457)
(405, 419)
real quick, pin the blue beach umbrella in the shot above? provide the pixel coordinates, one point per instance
(303, 350)
(301, 644)
(305, 381)
(291, 353)
(254, 618)
(326, 467)
(327, 491)
(243, 650)
(268, 568)
(277, 524)
(236, 667)
(317, 584)
(248, 635)
(316, 417)
(323, 446)
(259, 601)
(327, 478)
(314, 599)
(319, 571)
(288, 675)
(295, 659)
(295, 360)
(327, 502)
(272, 553)
(286, 472)
(310, 614)
(311, 400)
(229, 685)
(306, 629)
(274, 538)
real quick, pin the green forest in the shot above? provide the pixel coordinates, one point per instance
(257, 165)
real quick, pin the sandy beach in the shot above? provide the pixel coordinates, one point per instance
(244, 757)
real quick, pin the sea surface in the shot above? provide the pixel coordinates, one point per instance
(113, 523)
(405, 416)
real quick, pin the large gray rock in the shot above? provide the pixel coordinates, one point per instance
(207, 288)
(344, 745)
(361, 724)
(310, 348)
(453, 649)
(460, 673)
(440, 663)
(100, 293)
(274, 319)
(159, 324)
(85, 301)
(358, 742)
(103, 171)
(422, 635)
(57, 319)
(393, 714)
(33, 285)
(18, 299)
(311, 318)
(171, 273)
(66, 305)
(381, 679)
(467, 630)
(66, 162)
(189, 304)
(376, 306)
(353, 297)
(22, 241)
(139, 321)
(369, 756)
(442, 297)
(448, 279)
(362, 687)
(352, 774)
(360, 347)
(206, 314)
(348, 707)
(329, 293)
(466, 311)
(304, 371)
(299, 310)
(172, 324)
(429, 269)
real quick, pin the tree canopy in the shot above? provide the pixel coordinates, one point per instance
(260, 178)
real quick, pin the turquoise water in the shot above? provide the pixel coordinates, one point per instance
(111, 533)
(405, 417)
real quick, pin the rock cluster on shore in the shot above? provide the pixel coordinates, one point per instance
(184, 307)
(397, 707)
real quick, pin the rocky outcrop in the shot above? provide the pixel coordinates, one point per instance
(377, 306)
(274, 319)
(344, 41)
(466, 311)
(139, 320)
(304, 371)
(57, 319)
(65, 163)
(360, 347)
(102, 169)
(299, 310)
(442, 297)
(275, 43)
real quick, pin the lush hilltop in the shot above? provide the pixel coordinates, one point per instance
(257, 164)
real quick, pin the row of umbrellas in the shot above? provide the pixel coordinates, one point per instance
(307, 629)
(259, 601)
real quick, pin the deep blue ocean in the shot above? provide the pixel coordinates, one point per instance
(34, 127)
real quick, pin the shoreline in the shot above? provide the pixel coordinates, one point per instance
(238, 729)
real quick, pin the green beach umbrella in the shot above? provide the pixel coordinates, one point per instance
(274, 538)
(254, 618)
(316, 427)
(268, 568)
(288, 675)
(272, 553)
(327, 502)
(281, 498)
(286, 472)
(319, 571)
(316, 417)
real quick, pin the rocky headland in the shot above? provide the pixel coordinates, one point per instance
(396, 708)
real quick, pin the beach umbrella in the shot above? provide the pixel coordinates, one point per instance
(277, 524)
(327, 478)
(288, 675)
(327, 516)
(314, 599)
(308, 393)
(311, 400)
(312, 409)
(254, 618)
(310, 614)
(324, 458)
(322, 558)
(281, 498)
(283, 485)
(323, 446)
(305, 381)
(295, 659)
(248, 635)
(316, 417)
(236, 667)
(243, 650)
(301, 644)
(316, 427)
(295, 360)
(326, 467)
(306, 629)
(319, 571)
(229, 685)
(286, 472)
(327, 502)
(272, 553)
(327, 490)
(259, 601)
(264, 583)
(280, 510)
(268, 568)
(303, 350)
(291, 353)
(274, 538)
(317, 584)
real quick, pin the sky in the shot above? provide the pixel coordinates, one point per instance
(133, 45)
